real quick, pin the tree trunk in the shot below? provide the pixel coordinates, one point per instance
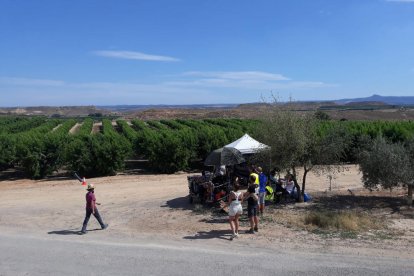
(305, 173)
(299, 197)
(410, 195)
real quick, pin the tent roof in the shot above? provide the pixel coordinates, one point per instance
(247, 144)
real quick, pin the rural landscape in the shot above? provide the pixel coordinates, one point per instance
(140, 169)
(187, 137)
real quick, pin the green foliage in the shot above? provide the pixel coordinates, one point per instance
(126, 130)
(170, 153)
(323, 116)
(86, 127)
(300, 141)
(41, 146)
(109, 153)
(109, 150)
(7, 150)
(232, 131)
(209, 137)
(387, 164)
(96, 155)
(13, 125)
(78, 154)
(156, 125)
(38, 150)
(63, 129)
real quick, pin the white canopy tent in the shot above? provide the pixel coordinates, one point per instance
(247, 145)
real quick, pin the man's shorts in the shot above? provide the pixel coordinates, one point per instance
(262, 198)
(252, 211)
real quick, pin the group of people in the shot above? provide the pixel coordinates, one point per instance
(283, 186)
(259, 189)
(255, 197)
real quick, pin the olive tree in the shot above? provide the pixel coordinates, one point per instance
(297, 142)
(388, 165)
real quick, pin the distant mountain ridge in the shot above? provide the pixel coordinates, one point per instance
(123, 108)
(391, 100)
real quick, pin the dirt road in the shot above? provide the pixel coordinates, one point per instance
(156, 207)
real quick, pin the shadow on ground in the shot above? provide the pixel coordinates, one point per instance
(70, 232)
(340, 202)
(393, 205)
(179, 203)
(12, 174)
(213, 234)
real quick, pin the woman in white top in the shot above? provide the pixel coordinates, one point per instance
(235, 209)
(290, 185)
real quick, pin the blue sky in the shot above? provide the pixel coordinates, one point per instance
(101, 52)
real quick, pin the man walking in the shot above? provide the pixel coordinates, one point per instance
(91, 209)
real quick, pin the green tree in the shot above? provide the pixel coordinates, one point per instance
(7, 151)
(295, 143)
(388, 165)
(320, 115)
(78, 155)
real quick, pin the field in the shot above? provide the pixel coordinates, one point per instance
(150, 206)
(357, 111)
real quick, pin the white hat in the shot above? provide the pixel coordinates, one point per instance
(90, 187)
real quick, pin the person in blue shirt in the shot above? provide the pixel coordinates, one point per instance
(262, 189)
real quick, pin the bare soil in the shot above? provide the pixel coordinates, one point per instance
(96, 128)
(254, 110)
(75, 128)
(140, 205)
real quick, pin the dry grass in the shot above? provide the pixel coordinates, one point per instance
(340, 221)
(337, 216)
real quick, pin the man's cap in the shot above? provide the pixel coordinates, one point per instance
(90, 187)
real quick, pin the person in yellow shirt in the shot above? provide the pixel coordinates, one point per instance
(253, 172)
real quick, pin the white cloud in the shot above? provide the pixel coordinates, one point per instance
(184, 88)
(30, 82)
(245, 80)
(133, 55)
(242, 81)
(240, 75)
(249, 85)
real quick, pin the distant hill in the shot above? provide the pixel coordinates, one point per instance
(390, 100)
(53, 111)
(124, 108)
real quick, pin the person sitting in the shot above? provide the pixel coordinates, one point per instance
(269, 192)
(220, 174)
(220, 195)
(290, 184)
(284, 188)
(273, 176)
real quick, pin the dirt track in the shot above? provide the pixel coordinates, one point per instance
(157, 205)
